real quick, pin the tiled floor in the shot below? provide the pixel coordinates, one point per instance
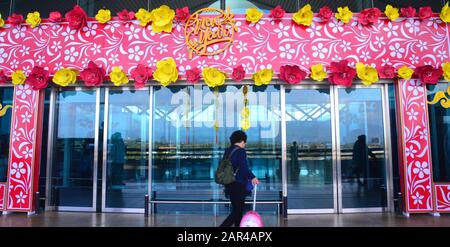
(78, 219)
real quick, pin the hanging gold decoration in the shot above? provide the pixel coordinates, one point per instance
(440, 97)
(4, 109)
(245, 112)
(216, 113)
(188, 108)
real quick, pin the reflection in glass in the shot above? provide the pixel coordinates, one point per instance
(73, 149)
(127, 158)
(309, 155)
(362, 148)
(44, 7)
(6, 102)
(187, 149)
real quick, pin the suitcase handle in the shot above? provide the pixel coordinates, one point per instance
(254, 197)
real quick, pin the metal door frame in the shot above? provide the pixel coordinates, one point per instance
(50, 139)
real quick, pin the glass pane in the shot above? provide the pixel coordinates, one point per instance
(439, 118)
(435, 5)
(309, 149)
(187, 149)
(127, 159)
(44, 7)
(239, 6)
(353, 5)
(6, 102)
(73, 149)
(4, 8)
(193, 5)
(92, 6)
(362, 148)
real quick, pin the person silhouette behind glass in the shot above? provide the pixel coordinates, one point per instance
(294, 161)
(117, 156)
(360, 159)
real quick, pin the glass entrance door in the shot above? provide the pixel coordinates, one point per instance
(73, 154)
(335, 149)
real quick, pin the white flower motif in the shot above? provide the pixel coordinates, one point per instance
(112, 26)
(19, 32)
(262, 56)
(415, 89)
(385, 61)
(58, 66)
(181, 57)
(258, 24)
(379, 41)
(319, 51)
(412, 25)
(90, 29)
(365, 55)
(56, 46)
(202, 64)
(27, 152)
(18, 169)
(114, 57)
(21, 198)
(213, 49)
(417, 198)
(232, 61)
(183, 69)
(314, 30)
(282, 30)
(410, 151)
(3, 55)
(336, 25)
(16, 136)
(396, 50)
(422, 45)
(263, 66)
(40, 29)
(391, 30)
(14, 64)
(26, 70)
(346, 46)
(304, 60)
(247, 67)
(336, 58)
(71, 54)
(2, 34)
(40, 60)
(24, 50)
(286, 51)
(133, 32)
(68, 34)
(442, 55)
(135, 53)
(423, 134)
(414, 59)
(26, 117)
(85, 62)
(161, 48)
(421, 169)
(435, 22)
(95, 48)
(241, 46)
(151, 62)
(412, 115)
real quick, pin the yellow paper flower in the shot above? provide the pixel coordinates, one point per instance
(2, 22)
(262, 77)
(118, 77)
(103, 15)
(303, 16)
(213, 77)
(391, 12)
(162, 18)
(245, 124)
(317, 72)
(34, 19)
(366, 73)
(64, 77)
(446, 70)
(143, 16)
(445, 13)
(253, 15)
(18, 77)
(166, 71)
(344, 14)
(405, 72)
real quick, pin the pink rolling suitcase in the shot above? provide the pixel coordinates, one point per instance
(252, 218)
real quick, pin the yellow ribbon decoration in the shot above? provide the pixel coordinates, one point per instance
(441, 98)
(4, 109)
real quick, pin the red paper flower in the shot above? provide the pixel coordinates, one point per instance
(341, 73)
(425, 12)
(292, 74)
(386, 72)
(55, 16)
(428, 74)
(277, 12)
(182, 14)
(369, 16)
(141, 74)
(193, 75)
(238, 73)
(77, 18)
(125, 15)
(325, 14)
(93, 75)
(408, 12)
(38, 78)
(2, 77)
(15, 19)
